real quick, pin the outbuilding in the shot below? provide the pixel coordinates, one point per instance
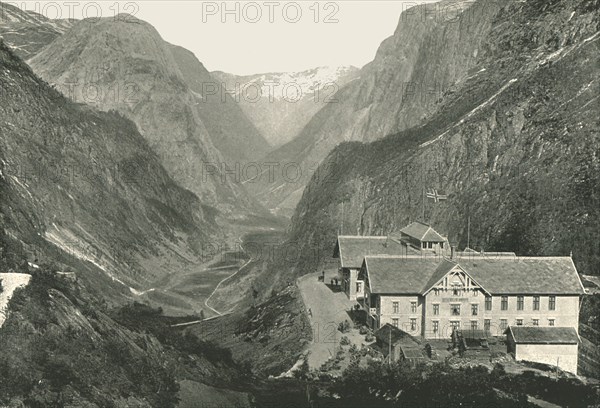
(555, 346)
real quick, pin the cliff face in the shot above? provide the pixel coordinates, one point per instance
(515, 144)
(84, 189)
(123, 64)
(434, 46)
(230, 130)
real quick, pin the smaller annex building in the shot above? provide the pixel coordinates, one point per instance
(554, 346)
(351, 251)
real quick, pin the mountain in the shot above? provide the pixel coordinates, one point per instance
(433, 46)
(123, 64)
(27, 31)
(231, 131)
(82, 189)
(281, 104)
(515, 144)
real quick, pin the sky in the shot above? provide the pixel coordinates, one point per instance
(250, 37)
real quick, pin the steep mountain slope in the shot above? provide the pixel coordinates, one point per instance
(28, 32)
(123, 64)
(63, 347)
(83, 189)
(433, 46)
(516, 145)
(281, 104)
(230, 130)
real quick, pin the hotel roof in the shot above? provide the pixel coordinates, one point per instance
(521, 275)
(352, 249)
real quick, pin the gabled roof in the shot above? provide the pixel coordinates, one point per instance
(412, 275)
(443, 269)
(543, 335)
(387, 332)
(352, 249)
(422, 232)
(406, 275)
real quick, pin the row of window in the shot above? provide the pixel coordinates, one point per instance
(487, 324)
(455, 308)
(521, 303)
(396, 307)
(413, 323)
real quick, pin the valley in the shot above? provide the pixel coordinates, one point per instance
(141, 266)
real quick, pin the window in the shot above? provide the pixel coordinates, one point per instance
(488, 303)
(474, 309)
(455, 310)
(358, 287)
(396, 307)
(436, 326)
(441, 245)
(455, 290)
(413, 307)
(395, 322)
(536, 303)
(504, 303)
(536, 322)
(519, 322)
(413, 324)
(455, 324)
(552, 303)
(430, 245)
(550, 322)
(436, 310)
(520, 302)
(487, 325)
(424, 245)
(474, 324)
(503, 324)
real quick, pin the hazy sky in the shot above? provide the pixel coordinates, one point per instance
(262, 36)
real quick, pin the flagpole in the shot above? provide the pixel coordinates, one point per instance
(469, 231)
(423, 216)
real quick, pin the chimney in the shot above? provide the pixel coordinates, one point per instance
(452, 249)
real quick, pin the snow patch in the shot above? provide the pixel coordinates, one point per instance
(10, 282)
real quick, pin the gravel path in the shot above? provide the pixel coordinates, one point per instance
(328, 309)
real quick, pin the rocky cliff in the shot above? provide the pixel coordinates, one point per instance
(27, 32)
(434, 46)
(514, 142)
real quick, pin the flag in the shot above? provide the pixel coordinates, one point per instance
(436, 195)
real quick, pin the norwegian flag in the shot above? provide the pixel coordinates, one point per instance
(436, 195)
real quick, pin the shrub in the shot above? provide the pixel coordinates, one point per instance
(344, 326)
(344, 341)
